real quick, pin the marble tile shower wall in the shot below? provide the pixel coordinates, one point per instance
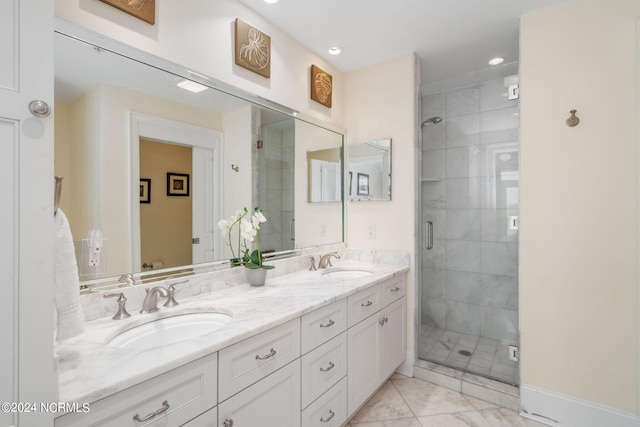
(470, 191)
(275, 187)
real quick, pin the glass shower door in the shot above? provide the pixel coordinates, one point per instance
(470, 208)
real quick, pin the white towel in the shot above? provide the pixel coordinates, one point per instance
(66, 292)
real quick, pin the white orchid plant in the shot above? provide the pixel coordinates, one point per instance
(248, 230)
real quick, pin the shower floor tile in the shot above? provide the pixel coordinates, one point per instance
(477, 355)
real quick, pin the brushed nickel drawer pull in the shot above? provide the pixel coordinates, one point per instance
(328, 325)
(165, 408)
(368, 304)
(331, 366)
(396, 289)
(329, 418)
(271, 354)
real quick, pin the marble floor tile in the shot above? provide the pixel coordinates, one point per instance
(424, 398)
(460, 419)
(405, 422)
(386, 404)
(410, 402)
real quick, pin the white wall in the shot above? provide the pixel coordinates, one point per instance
(579, 211)
(387, 111)
(198, 34)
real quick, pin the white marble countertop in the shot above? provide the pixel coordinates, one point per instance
(89, 369)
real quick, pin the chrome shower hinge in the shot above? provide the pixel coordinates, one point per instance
(514, 353)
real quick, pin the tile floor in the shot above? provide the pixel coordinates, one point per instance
(411, 402)
(481, 356)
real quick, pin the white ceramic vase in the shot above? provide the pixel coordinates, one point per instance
(256, 276)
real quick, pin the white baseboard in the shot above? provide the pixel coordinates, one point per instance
(406, 368)
(561, 410)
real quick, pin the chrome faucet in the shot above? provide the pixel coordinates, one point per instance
(150, 303)
(325, 260)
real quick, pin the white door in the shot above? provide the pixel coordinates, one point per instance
(202, 205)
(26, 209)
(394, 333)
(364, 362)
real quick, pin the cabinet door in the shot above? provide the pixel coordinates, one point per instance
(208, 419)
(26, 211)
(394, 341)
(365, 361)
(271, 402)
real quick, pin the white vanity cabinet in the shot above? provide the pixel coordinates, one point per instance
(377, 344)
(174, 398)
(311, 371)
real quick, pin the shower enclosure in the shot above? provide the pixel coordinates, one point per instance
(469, 211)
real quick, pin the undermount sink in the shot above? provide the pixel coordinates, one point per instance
(170, 329)
(346, 273)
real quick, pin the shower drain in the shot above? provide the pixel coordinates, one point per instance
(465, 352)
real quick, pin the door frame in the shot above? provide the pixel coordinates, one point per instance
(164, 130)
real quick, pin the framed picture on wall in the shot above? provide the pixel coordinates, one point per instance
(141, 9)
(321, 86)
(363, 184)
(252, 49)
(177, 184)
(145, 190)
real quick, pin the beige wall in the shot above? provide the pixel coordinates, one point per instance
(579, 212)
(199, 36)
(379, 103)
(165, 223)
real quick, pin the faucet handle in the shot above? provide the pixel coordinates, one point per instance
(313, 264)
(122, 311)
(171, 300)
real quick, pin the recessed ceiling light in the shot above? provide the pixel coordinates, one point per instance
(191, 86)
(271, 1)
(335, 50)
(497, 60)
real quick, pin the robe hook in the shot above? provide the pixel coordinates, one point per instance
(573, 120)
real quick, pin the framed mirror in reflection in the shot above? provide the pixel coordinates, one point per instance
(369, 168)
(121, 122)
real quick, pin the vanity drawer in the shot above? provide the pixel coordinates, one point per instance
(248, 361)
(392, 289)
(323, 367)
(188, 392)
(363, 304)
(330, 410)
(322, 324)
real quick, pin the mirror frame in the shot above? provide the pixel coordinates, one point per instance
(81, 34)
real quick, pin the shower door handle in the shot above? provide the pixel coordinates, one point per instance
(428, 235)
(292, 232)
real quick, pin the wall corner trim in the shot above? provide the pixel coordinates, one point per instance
(557, 409)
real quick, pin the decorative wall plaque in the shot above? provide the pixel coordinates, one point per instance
(141, 9)
(321, 86)
(253, 49)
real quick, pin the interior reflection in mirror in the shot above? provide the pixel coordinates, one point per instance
(325, 175)
(106, 104)
(273, 176)
(316, 223)
(369, 166)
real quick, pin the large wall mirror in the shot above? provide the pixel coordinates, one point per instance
(154, 160)
(369, 170)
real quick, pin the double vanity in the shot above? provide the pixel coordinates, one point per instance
(307, 349)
